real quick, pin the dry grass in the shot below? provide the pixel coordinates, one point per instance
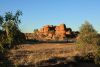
(30, 54)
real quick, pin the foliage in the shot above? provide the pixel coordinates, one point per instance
(88, 41)
(97, 55)
(10, 33)
(87, 35)
(35, 30)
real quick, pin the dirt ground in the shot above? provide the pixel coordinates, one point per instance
(30, 54)
(33, 53)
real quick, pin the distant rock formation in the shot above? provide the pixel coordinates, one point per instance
(50, 32)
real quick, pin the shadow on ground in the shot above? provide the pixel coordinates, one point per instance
(63, 62)
(37, 41)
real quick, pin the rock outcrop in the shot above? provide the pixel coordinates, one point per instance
(50, 32)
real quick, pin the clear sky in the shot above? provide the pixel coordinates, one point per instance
(37, 13)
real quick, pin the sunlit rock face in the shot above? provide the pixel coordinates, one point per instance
(50, 32)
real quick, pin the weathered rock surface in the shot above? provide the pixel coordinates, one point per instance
(50, 32)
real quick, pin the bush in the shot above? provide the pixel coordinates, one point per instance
(97, 55)
(87, 35)
(88, 41)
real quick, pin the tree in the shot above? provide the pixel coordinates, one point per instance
(11, 21)
(10, 25)
(88, 35)
(1, 20)
(35, 30)
(88, 41)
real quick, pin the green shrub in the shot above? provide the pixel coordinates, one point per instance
(10, 27)
(97, 55)
(87, 35)
(88, 41)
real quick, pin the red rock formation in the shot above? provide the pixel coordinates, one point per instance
(55, 31)
(50, 32)
(62, 30)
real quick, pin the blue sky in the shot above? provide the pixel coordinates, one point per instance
(37, 13)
